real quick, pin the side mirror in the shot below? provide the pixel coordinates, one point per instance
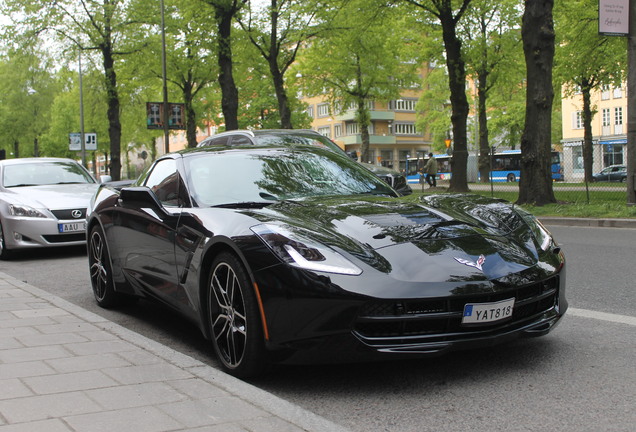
(105, 179)
(139, 197)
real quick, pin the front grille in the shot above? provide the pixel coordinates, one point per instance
(67, 214)
(65, 238)
(398, 322)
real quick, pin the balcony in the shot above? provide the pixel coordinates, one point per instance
(373, 139)
(375, 115)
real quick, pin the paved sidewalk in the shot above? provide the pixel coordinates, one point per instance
(63, 368)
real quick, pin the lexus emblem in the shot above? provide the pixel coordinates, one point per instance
(76, 214)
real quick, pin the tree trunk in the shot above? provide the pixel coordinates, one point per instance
(535, 185)
(459, 102)
(484, 144)
(588, 155)
(363, 121)
(114, 123)
(281, 94)
(229, 92)
(190, 115)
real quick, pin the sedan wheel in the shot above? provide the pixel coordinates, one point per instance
(4, 252)
(100, 270)
(234, 318)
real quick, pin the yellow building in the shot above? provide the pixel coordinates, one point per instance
(609, 131)
(393, 135)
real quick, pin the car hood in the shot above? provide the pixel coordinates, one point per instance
(445, 240)
(65, 196)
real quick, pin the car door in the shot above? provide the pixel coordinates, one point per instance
(147, 230)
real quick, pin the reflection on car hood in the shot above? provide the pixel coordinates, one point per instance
(413, 241)
(64, 196)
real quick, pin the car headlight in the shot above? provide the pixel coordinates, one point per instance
(25, 211)
(541, 234)
(303, 253)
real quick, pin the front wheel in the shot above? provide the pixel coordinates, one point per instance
(4, 252)
(100, 270)
(234, 318)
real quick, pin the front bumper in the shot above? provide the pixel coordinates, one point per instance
(25, 233)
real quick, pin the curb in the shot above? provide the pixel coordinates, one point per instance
(589, 222)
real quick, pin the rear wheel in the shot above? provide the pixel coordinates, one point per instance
(100, 270)
(235, 325)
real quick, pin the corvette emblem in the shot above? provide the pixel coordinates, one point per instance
(480, 261)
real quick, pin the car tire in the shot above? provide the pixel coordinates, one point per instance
(101, 271)
(4, 252)
(234, 318)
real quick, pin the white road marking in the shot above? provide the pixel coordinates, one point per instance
(603, 316)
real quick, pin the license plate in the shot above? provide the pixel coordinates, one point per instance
(71, 227)
(478, 313)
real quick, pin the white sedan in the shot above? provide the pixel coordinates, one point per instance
(43, 203)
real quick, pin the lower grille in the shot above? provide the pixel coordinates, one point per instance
(386, 323)
(65, 238)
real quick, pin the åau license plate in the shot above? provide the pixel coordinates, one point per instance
(71, 227)
(479, 313)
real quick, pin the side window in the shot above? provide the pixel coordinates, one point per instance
(165, 182)
(240, 140)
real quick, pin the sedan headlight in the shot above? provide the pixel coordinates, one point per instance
(303, 253)
(25, 211)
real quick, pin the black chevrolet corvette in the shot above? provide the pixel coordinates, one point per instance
(297, 254)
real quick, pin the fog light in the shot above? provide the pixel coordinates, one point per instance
(17, 236)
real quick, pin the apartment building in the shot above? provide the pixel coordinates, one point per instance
(393, 134)
(609, 131)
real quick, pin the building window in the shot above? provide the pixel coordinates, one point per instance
(403, 105)
(387, 158)
(337, 130)
(352, 128)
(577, 120)
(605, 92)
(323, 110)
(618, 93)
(325, 130)
(606, 117)
(310, 111)
(577, 159)
(618, 115)
(612, 154)
(404, 129)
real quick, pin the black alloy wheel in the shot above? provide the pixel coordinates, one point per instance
(100, 270)
(235, 325)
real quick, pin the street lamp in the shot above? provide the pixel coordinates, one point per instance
(166, 132)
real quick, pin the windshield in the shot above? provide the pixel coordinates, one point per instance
(44, 173)
(221, 178)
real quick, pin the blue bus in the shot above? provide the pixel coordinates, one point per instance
(506, 167)
(415, 166)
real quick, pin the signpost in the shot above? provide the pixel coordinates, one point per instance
(75, 141)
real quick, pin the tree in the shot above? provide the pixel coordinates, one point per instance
(537, 31)
(190, 51)
(585, 62)
(224, 13)
(363, 62)
(449, 18)
(107, 27)
(278, 37)
(491, 38)
(27, 90)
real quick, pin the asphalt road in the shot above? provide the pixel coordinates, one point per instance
(581, 377)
